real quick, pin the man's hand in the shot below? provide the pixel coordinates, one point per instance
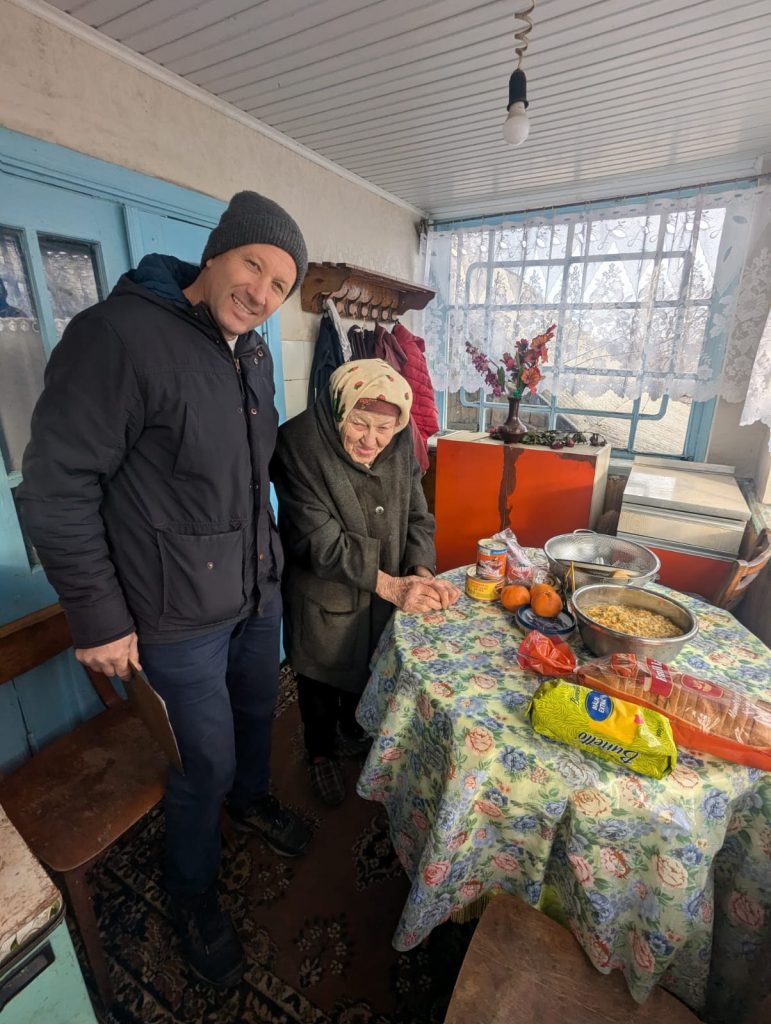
(112, 659)
(409, 593)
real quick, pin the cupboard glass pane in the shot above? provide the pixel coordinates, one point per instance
(73, 284)
(22, 358)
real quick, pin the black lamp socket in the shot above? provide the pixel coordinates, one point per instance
(518, 88)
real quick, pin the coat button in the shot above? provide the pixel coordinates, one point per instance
(210, 565)
(260, 353)
(253, 412)
(240, 411)
(379, 510)
(262, 557)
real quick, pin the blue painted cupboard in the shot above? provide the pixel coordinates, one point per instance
(70, 225)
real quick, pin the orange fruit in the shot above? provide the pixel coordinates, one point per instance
(539, 588)
(514, 596)
(547, 603)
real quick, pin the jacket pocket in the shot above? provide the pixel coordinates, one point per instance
(188, 455)
(202, 577)
(332, 638)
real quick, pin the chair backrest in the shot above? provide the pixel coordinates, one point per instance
(743, 573)
(34, 639)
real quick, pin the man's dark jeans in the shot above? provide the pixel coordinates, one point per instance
(220, 691)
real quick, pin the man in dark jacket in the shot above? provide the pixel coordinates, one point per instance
(146, 495)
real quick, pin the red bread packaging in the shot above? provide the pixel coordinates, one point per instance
(705, 716)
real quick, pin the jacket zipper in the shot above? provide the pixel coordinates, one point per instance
(240, 383)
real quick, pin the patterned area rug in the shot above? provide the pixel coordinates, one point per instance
(317, 930)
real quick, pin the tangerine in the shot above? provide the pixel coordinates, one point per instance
(547, 604)
(514, 596)
(539, 588)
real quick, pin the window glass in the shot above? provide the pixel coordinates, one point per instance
(22, 357)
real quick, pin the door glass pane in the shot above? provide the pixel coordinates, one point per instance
(22, 360)
(70, 269)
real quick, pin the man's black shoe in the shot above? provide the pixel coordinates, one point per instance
(282, 829)
(209, 940)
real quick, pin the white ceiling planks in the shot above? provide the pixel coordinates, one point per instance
(411, 96)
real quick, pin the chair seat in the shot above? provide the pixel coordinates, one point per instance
(78, 795)
(523, 968)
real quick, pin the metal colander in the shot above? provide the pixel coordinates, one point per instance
(587, 546)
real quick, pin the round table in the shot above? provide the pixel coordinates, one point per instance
(667, 880)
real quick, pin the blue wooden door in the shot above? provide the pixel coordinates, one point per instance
(60, 251)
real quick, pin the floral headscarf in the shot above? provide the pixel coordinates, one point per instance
(372, 379)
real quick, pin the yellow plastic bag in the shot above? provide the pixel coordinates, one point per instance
(630, 736)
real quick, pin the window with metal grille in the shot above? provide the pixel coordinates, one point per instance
(642, 302)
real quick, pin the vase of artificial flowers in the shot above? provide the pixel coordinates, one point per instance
(515, 373)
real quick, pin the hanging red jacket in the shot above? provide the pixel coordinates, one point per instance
(415, 371)
(386, 347)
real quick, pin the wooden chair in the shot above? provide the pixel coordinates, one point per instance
(523, 968)
(743, 573)
(74, 798)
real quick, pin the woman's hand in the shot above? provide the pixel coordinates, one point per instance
(409, 593)
(448, 592)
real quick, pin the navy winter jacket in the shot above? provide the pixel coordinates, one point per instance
(145, 489)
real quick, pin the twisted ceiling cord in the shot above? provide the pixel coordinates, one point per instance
(522, 34)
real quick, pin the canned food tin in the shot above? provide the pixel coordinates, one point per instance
(491, 559)
(482, 589)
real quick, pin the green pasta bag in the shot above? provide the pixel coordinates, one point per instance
(630, 736)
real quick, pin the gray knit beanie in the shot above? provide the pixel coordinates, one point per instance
(251, 219)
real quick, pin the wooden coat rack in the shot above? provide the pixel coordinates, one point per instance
(360, 294)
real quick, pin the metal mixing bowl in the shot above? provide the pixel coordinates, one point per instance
(587, 546)
(602, 640)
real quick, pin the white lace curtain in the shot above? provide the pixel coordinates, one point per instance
(660, 295)
(747, 374)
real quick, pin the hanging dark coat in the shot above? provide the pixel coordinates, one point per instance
(341, 522)
(327, 356)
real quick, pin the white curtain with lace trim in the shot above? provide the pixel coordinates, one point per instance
(645, 295)
(747, 375)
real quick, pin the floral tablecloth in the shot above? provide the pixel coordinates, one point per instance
(667, 880)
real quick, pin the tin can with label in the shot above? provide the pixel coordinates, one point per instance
(491, 559)
(480, 588)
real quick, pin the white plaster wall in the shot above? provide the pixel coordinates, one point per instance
(763, 472)
(733, 445)
(62, 89)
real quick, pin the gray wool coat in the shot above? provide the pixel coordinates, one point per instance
(340, 522)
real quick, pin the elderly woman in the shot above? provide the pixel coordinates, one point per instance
(359, 542)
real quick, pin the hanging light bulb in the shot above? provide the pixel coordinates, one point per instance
(516, 127)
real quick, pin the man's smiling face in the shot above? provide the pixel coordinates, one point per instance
(243, 287)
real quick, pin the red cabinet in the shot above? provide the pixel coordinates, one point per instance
(483, 486)
(692, 572)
